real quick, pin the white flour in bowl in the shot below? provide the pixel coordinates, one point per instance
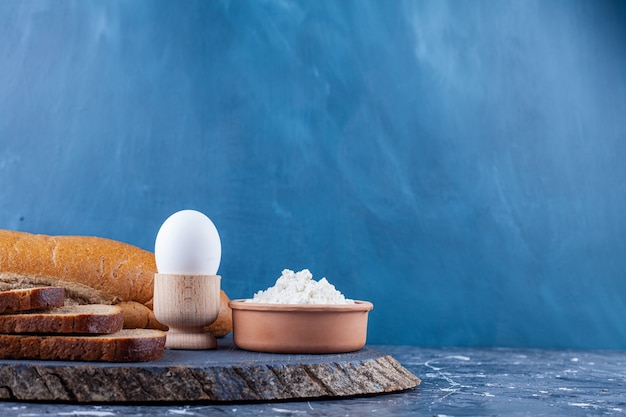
(300, 288)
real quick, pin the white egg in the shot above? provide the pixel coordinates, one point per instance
(188, 244)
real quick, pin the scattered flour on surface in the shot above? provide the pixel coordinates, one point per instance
(300, 288)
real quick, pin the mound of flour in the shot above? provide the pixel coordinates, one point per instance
(300, 288)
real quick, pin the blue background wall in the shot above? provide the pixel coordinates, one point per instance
(460, 164)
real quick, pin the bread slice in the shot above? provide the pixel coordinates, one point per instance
(31, 299)
(94, 318)
(128, 345)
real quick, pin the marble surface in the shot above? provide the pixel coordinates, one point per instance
(455, 382)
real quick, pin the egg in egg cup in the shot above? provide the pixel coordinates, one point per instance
(187, 287)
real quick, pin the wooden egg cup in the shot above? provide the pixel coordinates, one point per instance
(187, 304)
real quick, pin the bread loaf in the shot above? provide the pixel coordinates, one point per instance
(94, 318)
(92, 270)
(31, 299)
(128, 345)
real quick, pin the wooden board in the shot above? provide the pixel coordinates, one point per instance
(222, 375)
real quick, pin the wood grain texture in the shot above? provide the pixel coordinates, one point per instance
(187, 304)
(224, 375)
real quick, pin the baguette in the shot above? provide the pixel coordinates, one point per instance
(129, 345)
(95, 318)
(31, 299)
(92, 270)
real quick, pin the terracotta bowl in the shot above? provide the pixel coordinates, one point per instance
(300, 328)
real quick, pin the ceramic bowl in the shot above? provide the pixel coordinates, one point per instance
(300, 328)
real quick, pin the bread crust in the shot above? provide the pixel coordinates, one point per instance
(117, 269)
(31, 299)
(139, 345)
(83, 319)
(92, 270)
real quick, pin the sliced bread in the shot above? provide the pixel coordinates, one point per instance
(93, 318)
(128, 345)
(31, 299)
